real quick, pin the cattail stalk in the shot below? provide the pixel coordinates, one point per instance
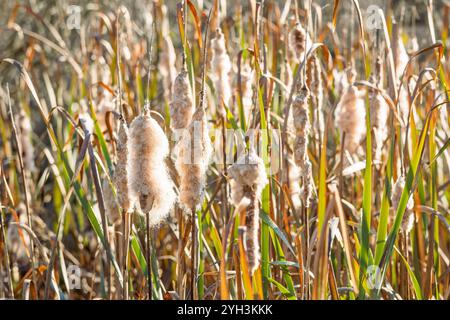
(195, 151)
(120, 180)
(151, 188)
(181, 111)
(248, 180)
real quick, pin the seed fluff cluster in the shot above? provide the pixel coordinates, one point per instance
(150, 185)
(248, 179)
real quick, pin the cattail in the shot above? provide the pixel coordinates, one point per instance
(248, 180)
(294, 182)
(25, 130)
(120, 177)
(195, 150)
(167, 60)
(350, 118)
(181, 106)
(150, 184)
(315, 84)
(307, 180)
(302, 129)
(299, 43)
(247, 89)
(221, 67)
(401, 57)
(408, 218)
(302, 126)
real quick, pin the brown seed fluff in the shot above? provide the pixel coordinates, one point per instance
(302, 127)
(120, 177)
(248, 180)
(221, 67)
(299, 43)
(167, 60)
(195, 150)
(182, 105)
(408, 218)
(315, 83)
(150, 185)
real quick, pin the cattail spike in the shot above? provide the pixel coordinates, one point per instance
(195, 151)
(120, 177)
(350, 118)
(182, 105)
(248, 180)
(221, 67)
(150, 184)
(299, 43)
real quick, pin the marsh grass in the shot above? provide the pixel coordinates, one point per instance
(366, 217)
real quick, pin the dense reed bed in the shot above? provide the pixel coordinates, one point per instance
(214, 149)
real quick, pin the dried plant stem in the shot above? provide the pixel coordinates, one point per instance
(180, 260)
(306, 287)
(101, 205)
(25, 187)
(6, 254)
(126, 217)
(149, 256)
(194, 250)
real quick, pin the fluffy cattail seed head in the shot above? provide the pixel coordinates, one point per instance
(195, 151)
(167, 60)
(221, 67)
(299, 42)
(120, 177)
(247, 90)
(248, 179)
(315, 83)
(150, 183)
(350, 118)
(182, 105)
(302, 126)
(307, 183)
